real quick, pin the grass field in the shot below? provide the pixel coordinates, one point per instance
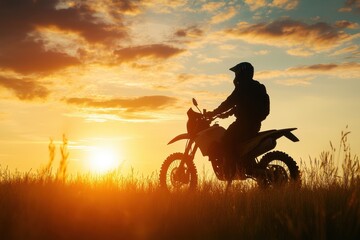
(41, 206)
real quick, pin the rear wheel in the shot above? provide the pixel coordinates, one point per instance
(178, 174)
(280, 169)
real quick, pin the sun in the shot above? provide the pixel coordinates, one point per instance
(103, 159)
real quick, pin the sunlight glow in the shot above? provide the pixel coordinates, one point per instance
(103, 160)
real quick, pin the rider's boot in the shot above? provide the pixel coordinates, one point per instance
(253, 169)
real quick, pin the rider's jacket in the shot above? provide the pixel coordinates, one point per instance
(249, 102)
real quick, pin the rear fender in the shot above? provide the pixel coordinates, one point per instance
(275, 134)
(179, 137)
(265, 141)
(287, 133)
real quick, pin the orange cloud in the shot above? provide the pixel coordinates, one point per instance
(301, 81)
(163, 6)
(283, 4)
(261, 52)
(224, 16)
(158, 51)
(291, 34)
(353, 49)
(28, 57)
(192, 31)
(192, 36)
(24, 88)
(25, 54)
(192, 81)
(343, 70)
(300, 52)
(212, 6)
(255, 4)
(346, 24)
(114, 8)
(145, 103)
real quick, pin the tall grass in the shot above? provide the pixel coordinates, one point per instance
(61, 174)
(117, 206)
(334, 167)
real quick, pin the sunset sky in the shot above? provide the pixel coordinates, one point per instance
(118, 76)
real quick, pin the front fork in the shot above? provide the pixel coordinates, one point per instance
(189, 153)
(180, 174)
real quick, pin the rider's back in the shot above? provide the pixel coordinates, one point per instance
(252, 103)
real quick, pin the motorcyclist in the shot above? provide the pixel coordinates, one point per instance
(249, 102)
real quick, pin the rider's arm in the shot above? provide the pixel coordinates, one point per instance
(226, 105)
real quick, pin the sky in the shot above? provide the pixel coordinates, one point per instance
(117, 77)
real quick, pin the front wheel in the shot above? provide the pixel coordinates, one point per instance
(178, 173)
(280, 169)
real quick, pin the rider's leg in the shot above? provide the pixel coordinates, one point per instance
(229, 146)
(236, 133)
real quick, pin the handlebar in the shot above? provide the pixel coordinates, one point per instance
(221, 115)
(224, 115)
(212, 118)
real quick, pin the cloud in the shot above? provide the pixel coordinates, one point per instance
(346, 24)
(192, 31)
(94, 115)
(227, 47)
(139, 104)
(224, 16)
(28, 57)
(163, 6)
(209, 60)
(197, 80)
(261, 52)
(343, 70)
(309, 72)
(353, 49)
(282, 4)
(190, 84)
(212, 6)
(193, 36)
(351, 5)
(113, 8)
(285, 4)
(255, 4)
(292, 34)
(300, 52)
(20, 20)
(157, 51)
(295, 81)
(144, 108)
(24, 88)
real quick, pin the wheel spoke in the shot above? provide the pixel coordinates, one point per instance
(178, 175)
(281, 164)
(281, 169)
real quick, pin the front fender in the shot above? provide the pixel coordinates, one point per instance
(179, 137)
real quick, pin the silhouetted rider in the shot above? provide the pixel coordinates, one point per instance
(250, 104)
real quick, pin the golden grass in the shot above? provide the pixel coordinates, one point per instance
(114, 206)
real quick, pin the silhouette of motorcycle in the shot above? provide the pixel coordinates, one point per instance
(178, 171)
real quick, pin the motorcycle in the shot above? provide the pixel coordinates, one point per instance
(178, 170)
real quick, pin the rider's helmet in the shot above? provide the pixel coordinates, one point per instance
(243, 70)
